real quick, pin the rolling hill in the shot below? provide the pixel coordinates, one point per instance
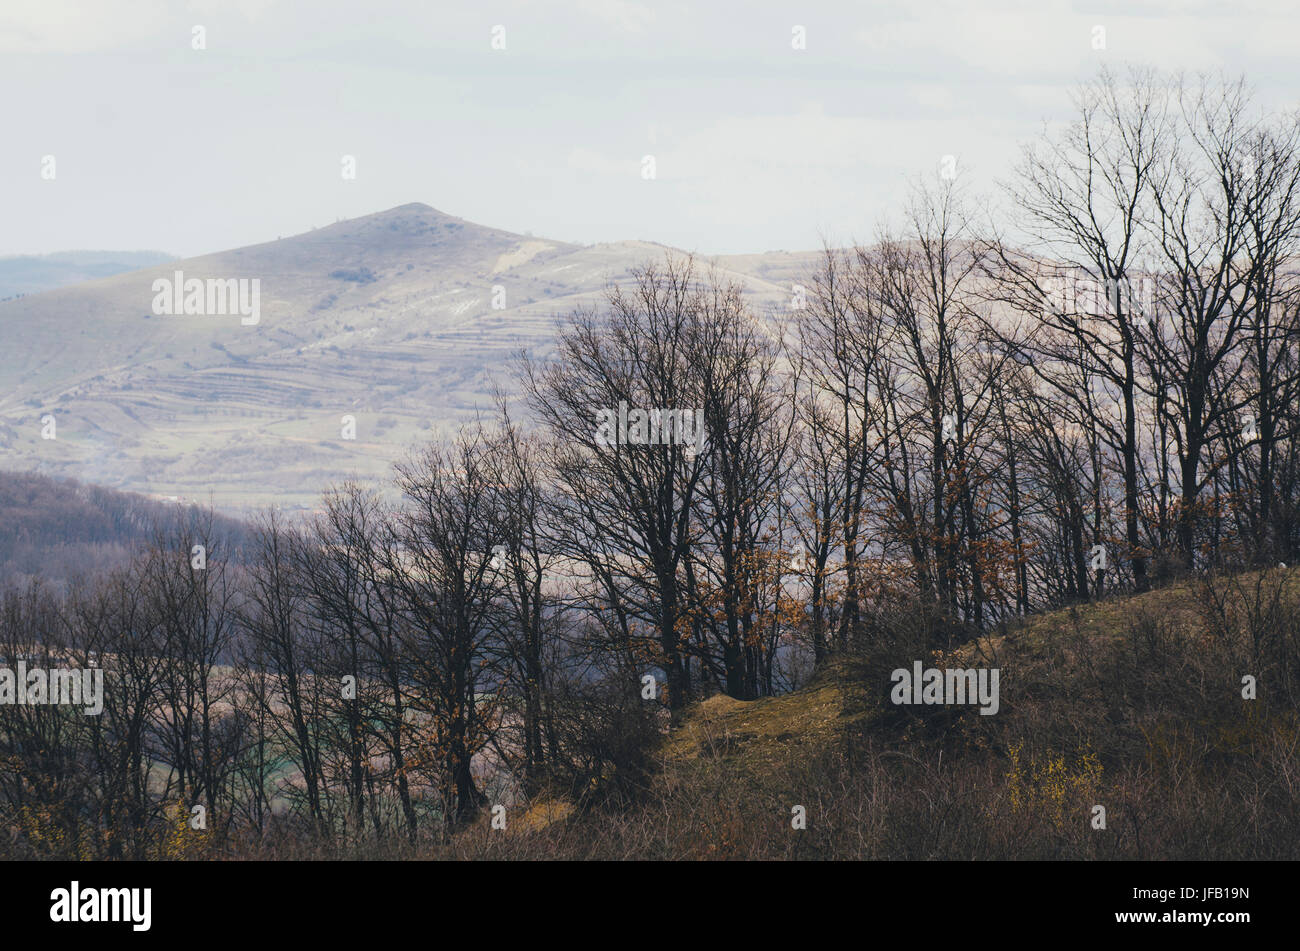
(1134, 704)
(388, 318)
(56, 530)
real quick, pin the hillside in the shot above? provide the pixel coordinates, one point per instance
(1133, 703)
(388, 318)
(59, 529)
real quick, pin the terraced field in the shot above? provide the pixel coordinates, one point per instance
(388, 318)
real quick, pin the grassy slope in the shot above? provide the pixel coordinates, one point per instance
(1058, 650)
(1133, 703)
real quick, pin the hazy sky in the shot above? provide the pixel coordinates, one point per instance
(757, 145)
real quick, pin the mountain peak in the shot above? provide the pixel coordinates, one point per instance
(414, 219)
(414, 227)
(413, 208)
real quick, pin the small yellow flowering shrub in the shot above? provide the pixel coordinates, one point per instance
(1050, 787)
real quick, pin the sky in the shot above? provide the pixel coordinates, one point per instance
(757, 144)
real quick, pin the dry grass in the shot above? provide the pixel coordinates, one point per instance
(1133, 704)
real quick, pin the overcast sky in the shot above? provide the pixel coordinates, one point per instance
(757, 145)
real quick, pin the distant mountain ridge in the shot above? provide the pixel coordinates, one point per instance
(34, 273)
(401, 319)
